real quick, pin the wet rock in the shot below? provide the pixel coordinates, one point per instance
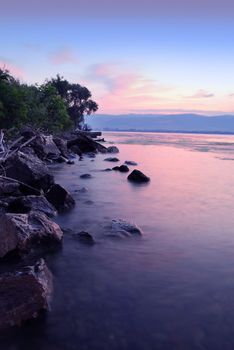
(122, 228)
(83, 190)
(70, 162)
(75, 149)
(45, 147)
(123, 168)
(86, 144)
(60, 198)
(62, 146)
(108, 169)
(85, 176)
(24, 294)
(9, 187)
(91, 155)
(112, 149)
(26, 204)
(85, 237)
(115, 168)
(20, 232)
(61, 159)
(138, 176)
(130, 162)
(111, 159)
(30, 170)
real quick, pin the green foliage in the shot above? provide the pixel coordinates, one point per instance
(77, 99)
(54, 106)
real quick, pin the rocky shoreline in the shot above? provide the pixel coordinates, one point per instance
(29, 199)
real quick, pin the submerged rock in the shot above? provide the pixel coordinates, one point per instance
(19, 232)
(112, 149)
(138, 176)
(60, 198)
(122, 228)
(111, 159)
(85, 237)
(31, 203)
(130, 162)
(24, 294)
(85, 176)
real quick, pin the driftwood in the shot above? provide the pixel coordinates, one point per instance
(9, 152)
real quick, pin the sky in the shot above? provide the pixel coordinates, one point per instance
(149, 56)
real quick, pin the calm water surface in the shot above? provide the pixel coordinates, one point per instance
(171, 289)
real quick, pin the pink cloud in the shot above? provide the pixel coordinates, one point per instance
(63, 56)
(201, 94)
(16, 71)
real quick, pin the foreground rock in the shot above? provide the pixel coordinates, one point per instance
(60, 198)
(45, 147)
(21, 232)
(26, 204)
(62, 146)
(9, 187)
(122, 228)
(138, 176)
(111, 159)
(24, 294)
(30, 170)
(112, 149)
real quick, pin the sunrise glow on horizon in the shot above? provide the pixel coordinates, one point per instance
(149, 57)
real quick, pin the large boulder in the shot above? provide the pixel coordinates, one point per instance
(24, 294)
(86, 144)
(45, 147)
(30, 170)
(26, 204)
(60, 198)
(138, 176)
(20, 232)
(62, 146)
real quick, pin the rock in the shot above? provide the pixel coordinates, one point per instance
(91, 155)
(138, 176)
(70, 162)
(45, 147)
(130, 162)
(122, 228)
(26, 204)
(85, 237)
(9, 187)
(61, 159)
(30, 170)
(83, 190)
(112, 149)
(107, 169)
(123, 168)
(62, 146)
(20, 232)
(115, 168)
(85, 176)
(75, 149)
(60, 198)
(93, 134)
(24, 294)
(86, 144)
(111, 159)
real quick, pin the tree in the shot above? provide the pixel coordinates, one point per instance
(77, 98)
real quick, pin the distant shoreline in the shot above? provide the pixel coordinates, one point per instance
(173, 132)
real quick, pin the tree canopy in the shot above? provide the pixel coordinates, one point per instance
(54, 106)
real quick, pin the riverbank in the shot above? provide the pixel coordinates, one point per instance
(30, 199)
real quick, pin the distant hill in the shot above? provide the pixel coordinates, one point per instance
(168, 122)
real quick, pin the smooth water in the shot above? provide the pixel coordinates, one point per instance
(171, 289)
